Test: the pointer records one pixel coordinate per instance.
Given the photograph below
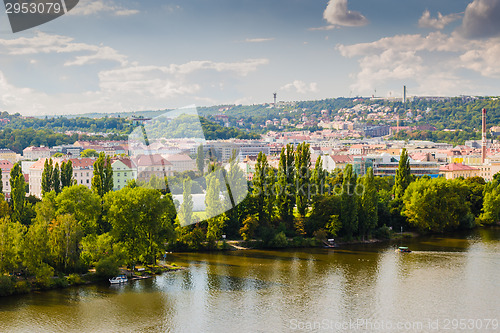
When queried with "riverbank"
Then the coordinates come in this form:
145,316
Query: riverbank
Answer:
17,285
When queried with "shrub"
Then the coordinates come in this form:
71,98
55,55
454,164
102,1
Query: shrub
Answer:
61,282
75,279
279,240
106,268
6,285
22,287
299,241
43,276
383,232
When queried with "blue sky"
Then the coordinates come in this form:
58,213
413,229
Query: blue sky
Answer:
110,56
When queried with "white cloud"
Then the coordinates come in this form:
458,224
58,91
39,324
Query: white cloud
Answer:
91,7
325,28
129,87
481,19
336,13
426,21
433,63
483,59
43,43
258,40
300,87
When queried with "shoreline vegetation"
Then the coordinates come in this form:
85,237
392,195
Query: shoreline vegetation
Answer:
55,241
22,285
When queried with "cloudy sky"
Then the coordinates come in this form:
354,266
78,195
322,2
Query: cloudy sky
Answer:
110,56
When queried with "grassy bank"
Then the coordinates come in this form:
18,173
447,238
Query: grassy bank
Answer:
17,285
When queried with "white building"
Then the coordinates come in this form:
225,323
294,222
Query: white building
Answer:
6,166
83,169
181,162
35,153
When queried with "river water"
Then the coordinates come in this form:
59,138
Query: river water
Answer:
446,284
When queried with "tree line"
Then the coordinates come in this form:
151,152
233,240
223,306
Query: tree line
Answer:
74,228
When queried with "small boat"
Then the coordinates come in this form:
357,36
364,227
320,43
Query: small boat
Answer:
329,244
118,279
403,249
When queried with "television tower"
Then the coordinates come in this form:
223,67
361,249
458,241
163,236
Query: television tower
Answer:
404,98
483,146
274,95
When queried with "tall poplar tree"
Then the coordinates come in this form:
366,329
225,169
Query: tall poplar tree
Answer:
200,159
213,209
66,174
56,179
1,182
48,169
186,209
318,178
18,193
368,215
102,181
403,175
348,203
260,187
303,177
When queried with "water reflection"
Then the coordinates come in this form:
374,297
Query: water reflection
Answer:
264,291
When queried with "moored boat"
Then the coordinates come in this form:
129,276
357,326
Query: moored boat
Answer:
118,279
403,249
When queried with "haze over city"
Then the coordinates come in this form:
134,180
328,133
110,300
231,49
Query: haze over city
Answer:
113,56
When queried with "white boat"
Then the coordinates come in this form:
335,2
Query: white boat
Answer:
118,279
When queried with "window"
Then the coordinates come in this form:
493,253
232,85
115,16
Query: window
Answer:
87,181
81,181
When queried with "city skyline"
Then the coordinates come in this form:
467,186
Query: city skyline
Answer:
107,56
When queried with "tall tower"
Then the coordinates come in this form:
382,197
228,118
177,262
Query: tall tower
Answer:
404,98
483,146
274,94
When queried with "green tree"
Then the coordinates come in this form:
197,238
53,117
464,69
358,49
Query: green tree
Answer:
248,228
102,180
437,204
36,249
403,175
282,197
1,182
237,191
491,206
334,225
66,174
83,204
318,178
89,153
141,218
64,238
349,205
18,194
214,208
200,159
56,179
186,209
11,234
47,178
368,214
303,175
262,193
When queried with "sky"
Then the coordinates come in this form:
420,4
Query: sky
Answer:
115,56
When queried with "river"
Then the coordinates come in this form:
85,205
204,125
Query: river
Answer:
446,284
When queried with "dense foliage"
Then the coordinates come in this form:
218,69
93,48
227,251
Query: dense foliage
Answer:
80,228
